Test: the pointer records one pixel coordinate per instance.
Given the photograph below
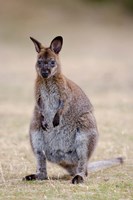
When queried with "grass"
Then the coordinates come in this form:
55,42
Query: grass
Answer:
100,61
97,187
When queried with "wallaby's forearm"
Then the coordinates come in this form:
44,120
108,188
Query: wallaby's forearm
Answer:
62,100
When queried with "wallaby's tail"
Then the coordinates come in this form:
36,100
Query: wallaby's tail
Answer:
99,165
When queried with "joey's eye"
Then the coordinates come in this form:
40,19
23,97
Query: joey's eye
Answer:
52,63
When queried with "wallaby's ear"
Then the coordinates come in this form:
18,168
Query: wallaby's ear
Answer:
37,44
56,44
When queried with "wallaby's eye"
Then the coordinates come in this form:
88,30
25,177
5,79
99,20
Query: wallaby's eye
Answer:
39,62
52,63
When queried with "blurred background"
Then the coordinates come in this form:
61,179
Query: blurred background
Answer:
97,54
97,51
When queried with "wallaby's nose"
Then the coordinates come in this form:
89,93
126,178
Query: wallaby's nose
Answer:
45,73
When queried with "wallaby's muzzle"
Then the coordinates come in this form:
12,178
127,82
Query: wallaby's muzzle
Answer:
45,73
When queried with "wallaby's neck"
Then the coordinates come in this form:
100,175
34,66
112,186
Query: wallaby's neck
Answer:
58,79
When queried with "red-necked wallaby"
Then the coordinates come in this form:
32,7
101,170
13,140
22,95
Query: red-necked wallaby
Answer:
63,129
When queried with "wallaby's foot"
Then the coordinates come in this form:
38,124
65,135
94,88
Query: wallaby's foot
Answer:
30,177
33,177
77,179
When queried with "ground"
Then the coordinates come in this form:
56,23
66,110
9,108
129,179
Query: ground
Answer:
97,55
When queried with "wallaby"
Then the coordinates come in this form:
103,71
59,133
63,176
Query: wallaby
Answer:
63,129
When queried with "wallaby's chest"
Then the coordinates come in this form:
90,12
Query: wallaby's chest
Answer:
49,102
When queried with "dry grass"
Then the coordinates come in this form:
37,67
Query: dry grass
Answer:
97,54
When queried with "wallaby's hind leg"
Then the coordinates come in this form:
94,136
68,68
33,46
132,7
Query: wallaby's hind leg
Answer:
37,142
71,169
85,145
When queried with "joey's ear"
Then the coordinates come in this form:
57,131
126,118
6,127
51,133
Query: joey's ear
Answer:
56,44
37,44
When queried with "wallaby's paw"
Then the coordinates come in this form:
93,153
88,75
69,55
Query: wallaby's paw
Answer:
77,179
45,126
33,177
30,177
56,119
